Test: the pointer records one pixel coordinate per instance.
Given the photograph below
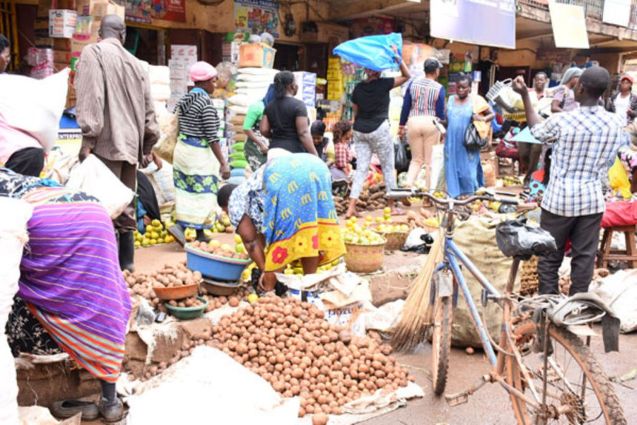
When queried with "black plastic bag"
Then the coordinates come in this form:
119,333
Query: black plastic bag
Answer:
401,158
516,239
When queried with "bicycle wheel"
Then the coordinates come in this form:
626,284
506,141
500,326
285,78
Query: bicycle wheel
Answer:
577,389
441,343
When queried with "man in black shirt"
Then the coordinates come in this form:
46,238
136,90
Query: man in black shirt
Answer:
370,102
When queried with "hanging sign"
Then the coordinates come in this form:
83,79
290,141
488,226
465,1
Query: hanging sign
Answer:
617,12
481,22
144,11
569,25
257,16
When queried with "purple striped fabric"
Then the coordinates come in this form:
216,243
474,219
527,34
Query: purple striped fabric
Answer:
71,279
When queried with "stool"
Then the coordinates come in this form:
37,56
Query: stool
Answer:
630,254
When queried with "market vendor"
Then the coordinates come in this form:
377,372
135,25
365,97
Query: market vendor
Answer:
72,296
256,147
285,212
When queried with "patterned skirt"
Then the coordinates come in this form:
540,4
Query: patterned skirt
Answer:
300,219
195,171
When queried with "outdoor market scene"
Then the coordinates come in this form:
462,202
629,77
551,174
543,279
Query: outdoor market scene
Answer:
318,212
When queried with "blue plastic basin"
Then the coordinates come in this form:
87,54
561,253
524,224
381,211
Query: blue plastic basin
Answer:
214,266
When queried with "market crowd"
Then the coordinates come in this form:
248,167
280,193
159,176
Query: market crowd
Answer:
284,211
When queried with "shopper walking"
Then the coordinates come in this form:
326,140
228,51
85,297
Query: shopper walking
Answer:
624,102
198,159
573,204
370,102
463,170
564,96
424,103
116,115
285,121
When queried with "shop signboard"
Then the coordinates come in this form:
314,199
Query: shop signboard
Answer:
145,11
617,12
257,16
569,25
481,22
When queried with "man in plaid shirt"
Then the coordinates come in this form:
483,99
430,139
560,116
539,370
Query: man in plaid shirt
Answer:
585,142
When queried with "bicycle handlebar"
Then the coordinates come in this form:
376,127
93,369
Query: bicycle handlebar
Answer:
450,202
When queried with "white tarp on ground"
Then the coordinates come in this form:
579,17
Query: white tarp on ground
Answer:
210,387
14,215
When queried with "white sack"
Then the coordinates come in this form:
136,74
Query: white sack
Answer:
14,215
34,106
619,291
258,71
94,178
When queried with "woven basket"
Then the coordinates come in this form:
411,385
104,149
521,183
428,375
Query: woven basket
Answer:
395,240
364,258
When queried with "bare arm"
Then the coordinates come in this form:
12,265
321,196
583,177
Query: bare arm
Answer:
303,131
404,75
264,127
354,111
555,106
255,246
519,86
256,139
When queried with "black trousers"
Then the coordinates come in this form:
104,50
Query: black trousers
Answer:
583,232
28,162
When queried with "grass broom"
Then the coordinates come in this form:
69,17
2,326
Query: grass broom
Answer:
417,311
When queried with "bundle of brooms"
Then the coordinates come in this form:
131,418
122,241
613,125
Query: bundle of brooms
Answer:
417,312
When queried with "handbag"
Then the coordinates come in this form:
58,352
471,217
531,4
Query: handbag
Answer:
472,138
401,157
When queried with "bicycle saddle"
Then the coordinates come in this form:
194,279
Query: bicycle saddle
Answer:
517,239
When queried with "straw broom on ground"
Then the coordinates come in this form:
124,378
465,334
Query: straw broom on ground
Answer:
417,312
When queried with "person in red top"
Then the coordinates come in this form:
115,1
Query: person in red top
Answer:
342,167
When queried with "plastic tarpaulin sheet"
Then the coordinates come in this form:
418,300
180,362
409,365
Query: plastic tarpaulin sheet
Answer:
373,52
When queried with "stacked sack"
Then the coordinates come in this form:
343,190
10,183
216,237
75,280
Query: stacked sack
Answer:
251,86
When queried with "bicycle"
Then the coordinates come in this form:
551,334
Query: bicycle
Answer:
549,372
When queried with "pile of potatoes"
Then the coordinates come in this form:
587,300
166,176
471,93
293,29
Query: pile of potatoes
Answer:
289,344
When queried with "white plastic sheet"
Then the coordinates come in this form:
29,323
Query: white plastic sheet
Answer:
94,178
14,215
619,291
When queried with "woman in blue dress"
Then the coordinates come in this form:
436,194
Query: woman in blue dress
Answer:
463,171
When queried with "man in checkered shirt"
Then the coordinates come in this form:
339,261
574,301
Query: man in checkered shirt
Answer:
585,142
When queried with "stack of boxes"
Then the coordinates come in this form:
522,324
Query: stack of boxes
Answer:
307,87
335,79
89,18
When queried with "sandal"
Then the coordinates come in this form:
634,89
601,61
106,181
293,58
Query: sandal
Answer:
68,408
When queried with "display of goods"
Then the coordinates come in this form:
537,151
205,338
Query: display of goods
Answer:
170,276
360,234
155,234
223,250
508,181
370,199
289,344
222,224
529,279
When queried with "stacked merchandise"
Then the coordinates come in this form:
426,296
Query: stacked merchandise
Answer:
251,86
41,62
182,57
307,88
335,79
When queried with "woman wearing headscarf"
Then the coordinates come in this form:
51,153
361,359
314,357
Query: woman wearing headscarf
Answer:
463,170
285,212
285,121
72,296
198,159
564,96
256,147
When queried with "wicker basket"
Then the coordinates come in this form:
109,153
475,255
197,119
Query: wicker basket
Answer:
395,240
364,258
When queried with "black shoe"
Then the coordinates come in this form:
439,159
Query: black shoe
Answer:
69,408
111,411
127,251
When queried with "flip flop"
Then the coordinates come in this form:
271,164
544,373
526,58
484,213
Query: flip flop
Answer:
397,211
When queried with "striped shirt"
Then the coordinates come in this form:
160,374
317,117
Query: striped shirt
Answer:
198,117
424,97
585,142
114,107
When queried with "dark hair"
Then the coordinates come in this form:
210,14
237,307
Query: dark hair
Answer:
465,77
282,81
223,195
595,81
540,73
269,95
340,129
4,42
317,128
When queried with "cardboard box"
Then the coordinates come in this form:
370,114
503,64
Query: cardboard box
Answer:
62,23
100,8
62,44
256,56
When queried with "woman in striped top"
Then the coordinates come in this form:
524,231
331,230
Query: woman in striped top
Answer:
198,158
424,102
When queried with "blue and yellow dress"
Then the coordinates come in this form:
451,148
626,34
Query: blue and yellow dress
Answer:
290,201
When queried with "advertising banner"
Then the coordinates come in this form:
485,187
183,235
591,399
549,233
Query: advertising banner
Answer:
257,16
144,11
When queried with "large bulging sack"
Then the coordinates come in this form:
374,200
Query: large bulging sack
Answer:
34,106
373,52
